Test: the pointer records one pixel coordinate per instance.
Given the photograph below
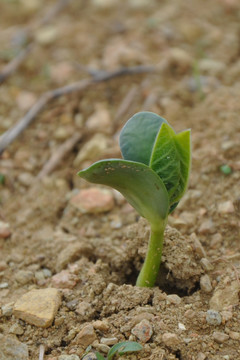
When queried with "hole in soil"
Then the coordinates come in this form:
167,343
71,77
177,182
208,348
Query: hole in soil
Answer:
166,282
178,355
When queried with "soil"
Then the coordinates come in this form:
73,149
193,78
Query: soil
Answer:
196,50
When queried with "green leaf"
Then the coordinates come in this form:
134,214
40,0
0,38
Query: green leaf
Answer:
139,184
138,136
2,179
99,356
171,161
123,347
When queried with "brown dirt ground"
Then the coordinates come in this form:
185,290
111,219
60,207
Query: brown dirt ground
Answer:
196,47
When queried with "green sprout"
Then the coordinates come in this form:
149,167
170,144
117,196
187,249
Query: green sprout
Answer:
152,176
120,349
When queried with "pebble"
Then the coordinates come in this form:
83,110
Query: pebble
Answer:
197,246
101,325
102,348
109,341
173,299
143,331
181,327
62,133
212,67
205,284
61,72
224,297
12,349
26,179
25,100
90,356
213,317
226,316
206,227
16,329
69,357
234,335
201,356
5,231
216,241
86,336
46,35
4,285
179,59
38,307
64,280
226,207
94,148
84,308
220,337
206,265
100,121
93,200
171,340
71,253
24,276
7,309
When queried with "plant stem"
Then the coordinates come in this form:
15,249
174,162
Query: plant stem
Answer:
150,269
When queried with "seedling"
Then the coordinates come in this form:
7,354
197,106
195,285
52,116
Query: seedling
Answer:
152,176
120,349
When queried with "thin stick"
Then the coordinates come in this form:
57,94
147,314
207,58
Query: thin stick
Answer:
9,136
13,65
58,155
41,352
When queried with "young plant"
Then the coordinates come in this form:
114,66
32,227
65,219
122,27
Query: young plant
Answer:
120,349
152,176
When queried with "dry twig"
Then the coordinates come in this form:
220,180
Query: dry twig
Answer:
58,155
9,136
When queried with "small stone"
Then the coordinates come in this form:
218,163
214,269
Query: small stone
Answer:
109,341
102,348
16,329
224,297
220,337
24,276
206,265
95,147
101,325
100,121
46,35
226,207
38,307
181,327
174,299
5,231
197,246
69,357
216,241
26,179
64,280
201,356
171,340
179,59
12,349
143,331
93,200
212,67
7,309
62,133
213,317
234,335
4,285
71,253
3,265
25,100
61,72
90,356
226,316
206,227
84,309
205,284
86,336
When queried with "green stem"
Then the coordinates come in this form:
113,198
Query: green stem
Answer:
150,269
